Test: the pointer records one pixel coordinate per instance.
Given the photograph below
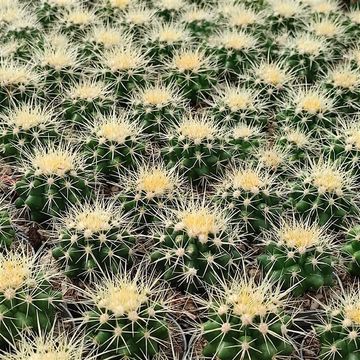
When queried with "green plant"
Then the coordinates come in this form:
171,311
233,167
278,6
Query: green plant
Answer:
300,255
7,229
194,246
351,250
92,237
52,177
199,20
246,319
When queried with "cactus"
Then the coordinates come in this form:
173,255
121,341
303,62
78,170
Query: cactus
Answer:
124,68
323,7
149,191
234,50
350,250
126,316
192,70
169,9
324,191
113,144
137,19
49,11
163,39
17,82
111,10
235,104
27,299
337,328
52,177
272,158
157,106
7,229
344,84
285,15
253,194
85,99
353,23
307,54
194,246
309,108
300,255
26,125
246,319
92,237
197,146
199,20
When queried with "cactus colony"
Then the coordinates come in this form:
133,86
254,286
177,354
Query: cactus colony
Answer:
179,179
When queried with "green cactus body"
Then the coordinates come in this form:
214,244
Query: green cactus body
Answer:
18,82
307,55
233,105
127,318
351,250
337,329
7,230
24,126
343,83
93,238
124,68
325,192
253,194
49,12
244,140
85,100
53,177
27,299
198,147
309,109
234,50
192,71
200,21
299,255
150,191
245,321
156,107
195,248
164,39
113,144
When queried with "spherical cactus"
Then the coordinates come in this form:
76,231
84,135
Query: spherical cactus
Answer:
49,345
27,299
199,20
163,39
126,316
149,191
307,55
343,82
253,194
77,21
338,327
86,99
285,15
324,191
124,67
53,177
193,71
272,79
246,319
26,125
194,246
244,140
197,146
351,250
113,143
300,255
17,82
236,104
309,108
92,238
234,50
59,66
157,106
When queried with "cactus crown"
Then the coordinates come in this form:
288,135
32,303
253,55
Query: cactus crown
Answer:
234,40
272,73
286,8
169,33
194,13
58,57
107,36
56,40
327,27
312,100
354,16
197,127
240,16
170,4
118,4
9,48
351,132
244,131
88,90
236,98
193,60
79,16
309,44
12,73
271,156
324,6
298,137
138,15
344,76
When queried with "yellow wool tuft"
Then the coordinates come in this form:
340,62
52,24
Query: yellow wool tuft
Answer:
345,78
170,35
120,4
53,163
271,74
116,131
323,7
243,131
352,312
80,17
15,75
271,157
237,41
355,16
27,118
309,45
286,8
188,61
122,298
14,271
312,103
156,96
94,221
201,222
299,236
248,180
243,17
326,28
328,179
297,137
88,91
107,37
155,181
196,130
238,100
123,59
58,58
